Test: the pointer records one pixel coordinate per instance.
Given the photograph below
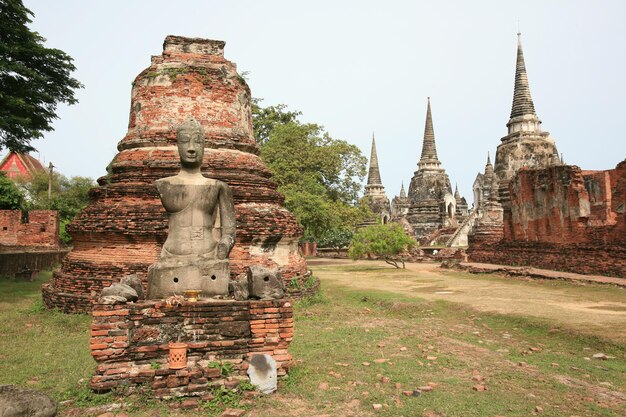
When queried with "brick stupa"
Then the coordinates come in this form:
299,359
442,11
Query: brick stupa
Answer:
124,226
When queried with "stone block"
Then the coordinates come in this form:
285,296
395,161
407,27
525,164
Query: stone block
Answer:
134,282
209,276
16,401
265,283
120,290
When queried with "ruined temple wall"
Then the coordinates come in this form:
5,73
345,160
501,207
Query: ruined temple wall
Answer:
598,187
618,201
40,231
607,200
547,205
563,218
562,205
592,259
19,263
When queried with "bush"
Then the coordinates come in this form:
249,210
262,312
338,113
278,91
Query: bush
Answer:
386,241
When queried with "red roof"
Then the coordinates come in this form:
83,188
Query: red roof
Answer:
17,164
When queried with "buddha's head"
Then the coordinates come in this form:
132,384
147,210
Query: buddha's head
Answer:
190,139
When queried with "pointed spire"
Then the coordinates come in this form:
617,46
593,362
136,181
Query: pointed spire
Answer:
402,192
429,150
457,195
373,177
488,167
522,101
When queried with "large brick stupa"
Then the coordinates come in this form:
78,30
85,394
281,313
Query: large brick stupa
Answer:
123,228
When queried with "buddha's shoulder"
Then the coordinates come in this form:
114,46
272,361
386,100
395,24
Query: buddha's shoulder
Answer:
186,180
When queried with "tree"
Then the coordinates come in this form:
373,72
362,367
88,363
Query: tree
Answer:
265,119
299,153
320,177
69,196
11,198
386,241
336,238
33,79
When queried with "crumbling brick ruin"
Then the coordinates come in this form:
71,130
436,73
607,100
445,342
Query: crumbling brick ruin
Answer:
563,218
28,230
130,343
535,211
29,242
122,229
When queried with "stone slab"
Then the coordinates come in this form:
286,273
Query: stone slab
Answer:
209,276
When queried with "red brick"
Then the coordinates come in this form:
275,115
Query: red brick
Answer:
553,221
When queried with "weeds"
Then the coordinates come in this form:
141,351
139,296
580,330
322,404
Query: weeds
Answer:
246,386
222,398
83,396
226,368
37,307
310,301
310,282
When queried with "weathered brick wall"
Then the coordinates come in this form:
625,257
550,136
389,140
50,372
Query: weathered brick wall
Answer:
566,206
592,259
124,226
565,219
40,230
130,342
547,205
598,187
14,262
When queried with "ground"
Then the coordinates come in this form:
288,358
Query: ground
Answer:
591,309
485,345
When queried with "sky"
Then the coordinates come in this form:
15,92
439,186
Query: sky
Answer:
361,67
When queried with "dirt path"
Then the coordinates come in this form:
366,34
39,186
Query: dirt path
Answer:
589,308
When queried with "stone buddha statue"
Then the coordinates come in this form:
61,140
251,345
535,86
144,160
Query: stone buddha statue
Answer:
201,225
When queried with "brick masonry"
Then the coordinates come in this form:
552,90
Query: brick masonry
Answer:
130,343
39,228
563,218
14,263
124,226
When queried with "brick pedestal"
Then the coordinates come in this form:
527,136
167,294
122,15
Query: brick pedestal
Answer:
130,342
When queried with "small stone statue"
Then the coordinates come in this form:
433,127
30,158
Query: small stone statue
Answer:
201,225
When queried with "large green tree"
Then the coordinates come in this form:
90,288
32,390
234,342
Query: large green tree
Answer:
265,119
305,155
33,79
319,175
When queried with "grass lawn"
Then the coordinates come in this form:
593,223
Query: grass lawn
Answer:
356,348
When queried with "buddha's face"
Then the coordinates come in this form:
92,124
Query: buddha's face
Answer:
190,147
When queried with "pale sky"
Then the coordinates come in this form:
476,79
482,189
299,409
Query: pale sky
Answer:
358,67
